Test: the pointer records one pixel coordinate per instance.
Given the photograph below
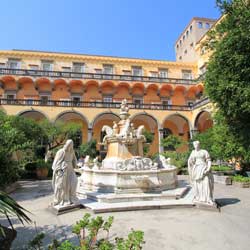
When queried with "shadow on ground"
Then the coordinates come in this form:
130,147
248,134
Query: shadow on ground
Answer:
227,201
27,233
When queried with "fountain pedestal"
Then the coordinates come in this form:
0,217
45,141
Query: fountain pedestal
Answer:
125,171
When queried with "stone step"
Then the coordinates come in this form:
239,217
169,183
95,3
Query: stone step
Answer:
98,207
132,197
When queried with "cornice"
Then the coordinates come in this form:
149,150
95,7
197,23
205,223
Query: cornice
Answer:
103,59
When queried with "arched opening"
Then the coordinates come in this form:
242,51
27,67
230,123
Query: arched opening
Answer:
101,120
92,91
203,121
152,94
177,125
33,114
74,117
151,126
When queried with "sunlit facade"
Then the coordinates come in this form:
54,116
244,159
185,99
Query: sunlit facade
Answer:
166,97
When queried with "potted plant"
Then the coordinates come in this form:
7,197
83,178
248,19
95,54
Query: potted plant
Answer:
9,207
241,181
42,169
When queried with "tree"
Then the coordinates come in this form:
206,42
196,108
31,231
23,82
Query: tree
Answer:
88,148
172,142
20,138
228,72
221,143
149,139
57,133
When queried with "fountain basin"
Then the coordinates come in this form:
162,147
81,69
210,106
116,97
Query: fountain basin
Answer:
117,181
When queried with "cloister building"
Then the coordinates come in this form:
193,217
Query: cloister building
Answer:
166,97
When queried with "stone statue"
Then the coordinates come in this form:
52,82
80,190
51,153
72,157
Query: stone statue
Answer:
64,180
139,132
96,164
86,162
108,130
199,168
164,163
124,106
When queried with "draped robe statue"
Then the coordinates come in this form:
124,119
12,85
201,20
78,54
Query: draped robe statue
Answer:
64,180
199,168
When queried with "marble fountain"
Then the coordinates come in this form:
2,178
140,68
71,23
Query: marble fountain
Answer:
126,180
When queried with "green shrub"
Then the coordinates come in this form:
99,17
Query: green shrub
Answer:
88,231
88,148
221,168
240,178
178,159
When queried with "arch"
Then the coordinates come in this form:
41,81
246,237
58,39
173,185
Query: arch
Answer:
82,116
178,124
9,83
92,82
122,91
191,92
138,88
107,87
153,86
203,121
43,84
76,86
105,118
97,117
26,88
75,117
60,81
151,125
166,90
34,114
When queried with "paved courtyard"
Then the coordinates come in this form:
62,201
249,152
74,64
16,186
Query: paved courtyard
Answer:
167,229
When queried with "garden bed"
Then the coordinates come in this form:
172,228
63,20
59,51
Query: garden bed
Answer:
241,181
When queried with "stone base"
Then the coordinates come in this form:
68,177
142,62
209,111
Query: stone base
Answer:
57,210
215,207
173,194
223,179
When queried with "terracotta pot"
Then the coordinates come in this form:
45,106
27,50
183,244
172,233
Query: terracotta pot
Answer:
42,173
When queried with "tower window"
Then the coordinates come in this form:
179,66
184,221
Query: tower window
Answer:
200,25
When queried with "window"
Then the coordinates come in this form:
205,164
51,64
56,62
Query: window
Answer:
136,71
185,52
78,67
14,64
28,101
180,57
108,69
44,99
76,100
187,32
10,98
108,98
207,25
153,74
191,45
138,100
177,46
2,65
163,73
180,42
33,67
66,69
200,25
47,65
166,103
191,28
187,74
183,38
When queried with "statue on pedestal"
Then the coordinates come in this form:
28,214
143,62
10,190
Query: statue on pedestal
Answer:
64,180
199,168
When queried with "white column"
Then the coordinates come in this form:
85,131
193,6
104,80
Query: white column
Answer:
89,134
160,135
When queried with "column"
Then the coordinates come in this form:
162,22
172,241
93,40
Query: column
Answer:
160,134
90,130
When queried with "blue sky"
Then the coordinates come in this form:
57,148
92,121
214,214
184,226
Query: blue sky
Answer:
129,28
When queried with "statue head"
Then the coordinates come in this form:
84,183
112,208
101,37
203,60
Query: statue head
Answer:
69,145
196,145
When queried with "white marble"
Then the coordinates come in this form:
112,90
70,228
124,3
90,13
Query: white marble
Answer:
199,167
64,180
